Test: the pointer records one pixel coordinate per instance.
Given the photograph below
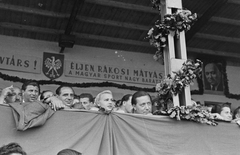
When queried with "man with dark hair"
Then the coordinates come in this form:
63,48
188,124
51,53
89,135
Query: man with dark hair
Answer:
213,77
12,149
236,113
66,94
236,116
86,101
30,91
224,112
142,103
125,104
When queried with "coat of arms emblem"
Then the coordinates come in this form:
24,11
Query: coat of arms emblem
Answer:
53,65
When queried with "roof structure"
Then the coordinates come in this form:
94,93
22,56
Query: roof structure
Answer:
120,24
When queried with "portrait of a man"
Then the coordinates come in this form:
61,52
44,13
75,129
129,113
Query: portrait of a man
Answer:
213,78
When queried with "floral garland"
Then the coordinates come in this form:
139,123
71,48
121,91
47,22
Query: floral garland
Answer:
182,20
194,113
80,85
184,77
156,4
173,86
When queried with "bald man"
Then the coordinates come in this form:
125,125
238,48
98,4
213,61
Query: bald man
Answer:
213,78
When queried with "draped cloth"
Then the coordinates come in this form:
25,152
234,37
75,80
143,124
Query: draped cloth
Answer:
30,114
95,133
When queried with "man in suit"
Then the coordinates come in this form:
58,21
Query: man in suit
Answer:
213,78
66,94
142,103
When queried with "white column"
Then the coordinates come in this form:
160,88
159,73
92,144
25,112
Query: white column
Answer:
171,62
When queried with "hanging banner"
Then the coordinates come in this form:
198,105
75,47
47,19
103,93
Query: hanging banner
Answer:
113,73
22,63
52,65
94,133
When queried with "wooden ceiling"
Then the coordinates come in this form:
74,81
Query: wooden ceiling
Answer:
121,24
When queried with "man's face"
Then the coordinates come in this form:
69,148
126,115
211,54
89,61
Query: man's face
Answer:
144,105
15,96
212,74
106,101
31,93
226,113
67,95
86,103
128,105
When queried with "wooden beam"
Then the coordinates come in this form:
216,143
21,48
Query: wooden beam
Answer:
100,2
213,9
71,20
33,11
225,21
79,18
96,20
73,16
234,2
213,52
113,23
30,28
78,35
123,5
114,40
218,38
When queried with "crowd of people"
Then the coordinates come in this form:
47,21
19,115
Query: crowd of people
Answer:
65,98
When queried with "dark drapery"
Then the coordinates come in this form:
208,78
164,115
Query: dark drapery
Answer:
94,133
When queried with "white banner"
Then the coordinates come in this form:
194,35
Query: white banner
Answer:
113,73
20,63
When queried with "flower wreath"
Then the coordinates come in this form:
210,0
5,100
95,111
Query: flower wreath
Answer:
184,77
173,86
182,20
156,4
194,113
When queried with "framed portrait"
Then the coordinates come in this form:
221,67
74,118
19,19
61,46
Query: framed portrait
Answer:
213,75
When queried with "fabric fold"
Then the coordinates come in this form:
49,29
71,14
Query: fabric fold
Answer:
30,114
96,133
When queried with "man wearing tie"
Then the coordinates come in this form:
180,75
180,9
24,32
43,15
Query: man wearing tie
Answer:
213,78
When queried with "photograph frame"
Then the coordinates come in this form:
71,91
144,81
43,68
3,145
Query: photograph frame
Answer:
214,77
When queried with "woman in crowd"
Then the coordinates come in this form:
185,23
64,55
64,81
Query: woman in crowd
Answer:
125,104
104,101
